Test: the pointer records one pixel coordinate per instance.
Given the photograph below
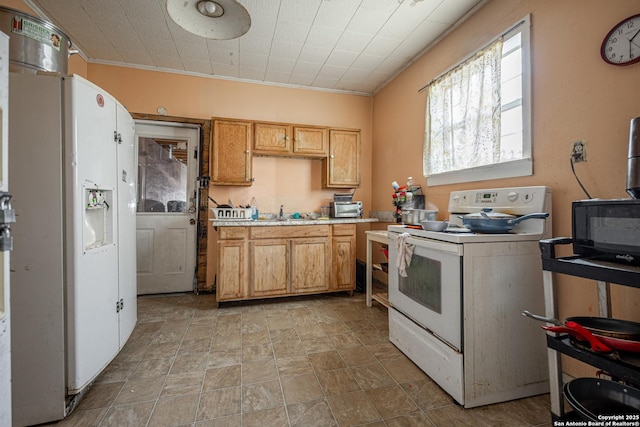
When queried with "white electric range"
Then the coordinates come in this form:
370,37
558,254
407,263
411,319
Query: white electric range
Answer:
457,312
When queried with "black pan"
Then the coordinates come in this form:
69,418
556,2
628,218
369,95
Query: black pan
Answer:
217,205
592,398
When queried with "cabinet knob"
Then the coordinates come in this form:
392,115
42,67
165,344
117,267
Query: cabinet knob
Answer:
247,152
331,156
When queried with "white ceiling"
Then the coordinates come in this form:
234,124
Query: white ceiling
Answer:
339,45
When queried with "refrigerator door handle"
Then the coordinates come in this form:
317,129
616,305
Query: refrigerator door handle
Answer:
7,217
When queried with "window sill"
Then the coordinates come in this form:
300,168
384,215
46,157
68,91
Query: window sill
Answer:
523,167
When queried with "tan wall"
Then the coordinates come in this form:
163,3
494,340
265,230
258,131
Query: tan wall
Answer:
575,95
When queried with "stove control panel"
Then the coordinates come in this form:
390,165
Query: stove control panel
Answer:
514,200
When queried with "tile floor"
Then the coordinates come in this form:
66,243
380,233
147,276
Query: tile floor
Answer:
312,361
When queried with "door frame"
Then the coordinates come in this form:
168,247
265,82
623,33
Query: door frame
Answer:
202,215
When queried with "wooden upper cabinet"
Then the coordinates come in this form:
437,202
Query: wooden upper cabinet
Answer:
310,141
281,139
341,169
231,152
271,138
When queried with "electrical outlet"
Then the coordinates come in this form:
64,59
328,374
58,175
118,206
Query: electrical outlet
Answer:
579,151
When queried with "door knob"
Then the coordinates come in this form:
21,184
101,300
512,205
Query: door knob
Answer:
192,221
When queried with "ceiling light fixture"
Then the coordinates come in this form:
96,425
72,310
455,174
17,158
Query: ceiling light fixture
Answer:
210,8
219,19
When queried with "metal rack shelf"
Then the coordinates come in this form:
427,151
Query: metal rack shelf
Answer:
616,368
604,273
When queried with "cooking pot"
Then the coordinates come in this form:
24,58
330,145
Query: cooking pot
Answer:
416,216
430,225
488,221
604,334
35,45
592,398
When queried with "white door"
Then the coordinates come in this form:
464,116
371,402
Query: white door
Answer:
166,224
5,338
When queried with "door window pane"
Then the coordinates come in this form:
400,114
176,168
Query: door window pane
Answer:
162,175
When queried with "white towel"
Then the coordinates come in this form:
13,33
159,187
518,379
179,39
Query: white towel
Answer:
405,252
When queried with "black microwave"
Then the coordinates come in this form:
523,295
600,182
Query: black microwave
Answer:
607,230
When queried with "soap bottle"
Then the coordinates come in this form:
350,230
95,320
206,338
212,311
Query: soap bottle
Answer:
254,209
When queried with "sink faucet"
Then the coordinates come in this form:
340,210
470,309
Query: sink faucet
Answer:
281,215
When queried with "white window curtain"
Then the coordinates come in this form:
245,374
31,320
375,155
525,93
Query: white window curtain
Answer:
463,115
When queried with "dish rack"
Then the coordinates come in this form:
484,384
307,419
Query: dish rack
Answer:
231,214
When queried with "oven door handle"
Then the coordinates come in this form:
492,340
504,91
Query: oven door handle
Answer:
436,245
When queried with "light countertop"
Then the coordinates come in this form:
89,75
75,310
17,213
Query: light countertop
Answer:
293,222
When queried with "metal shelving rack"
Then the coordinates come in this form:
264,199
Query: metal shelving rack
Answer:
604,273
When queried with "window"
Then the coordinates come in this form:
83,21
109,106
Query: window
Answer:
162,175
477,116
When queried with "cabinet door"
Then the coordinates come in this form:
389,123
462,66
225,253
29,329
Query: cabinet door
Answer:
310,141
231,283
344,262
342,167
271,138
269,266
309,268
231,152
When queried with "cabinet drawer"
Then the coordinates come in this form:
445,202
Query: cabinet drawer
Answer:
232,233
344,229
286,232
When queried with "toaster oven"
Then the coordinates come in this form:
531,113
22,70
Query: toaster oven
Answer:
345,209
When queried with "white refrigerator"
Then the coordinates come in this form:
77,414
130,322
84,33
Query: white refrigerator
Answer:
73,269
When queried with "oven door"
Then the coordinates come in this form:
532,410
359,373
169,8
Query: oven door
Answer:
431,293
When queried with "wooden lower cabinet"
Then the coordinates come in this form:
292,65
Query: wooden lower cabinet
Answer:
309,265
343,257
264,261
231,283
269,266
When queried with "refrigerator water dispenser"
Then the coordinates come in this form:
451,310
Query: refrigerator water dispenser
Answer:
98,218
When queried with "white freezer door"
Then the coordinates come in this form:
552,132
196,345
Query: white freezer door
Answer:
127,223
92,285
